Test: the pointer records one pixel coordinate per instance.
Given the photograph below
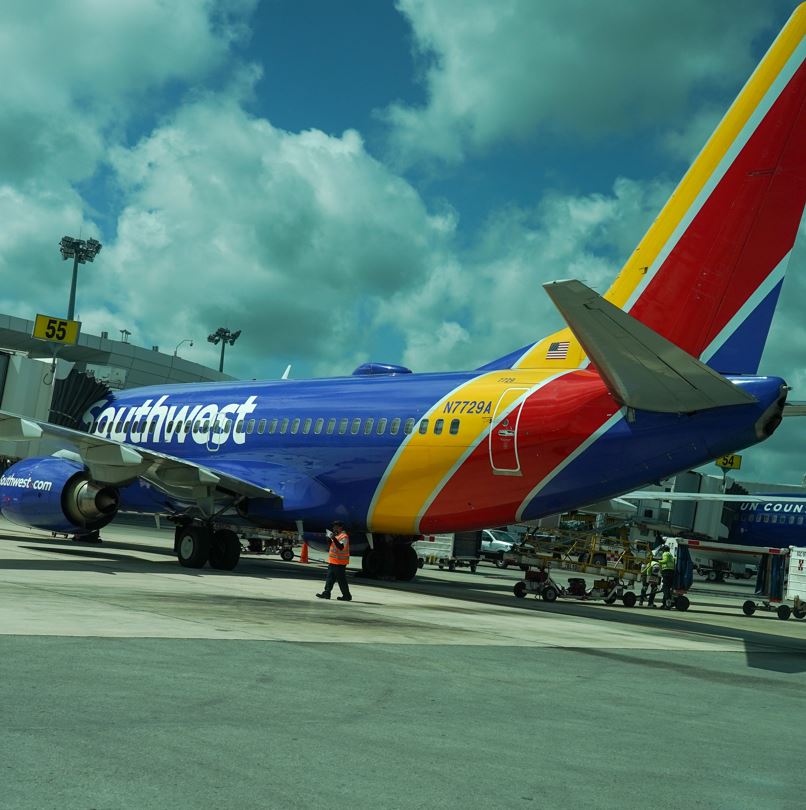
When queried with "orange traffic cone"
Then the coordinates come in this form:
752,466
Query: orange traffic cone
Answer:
303,555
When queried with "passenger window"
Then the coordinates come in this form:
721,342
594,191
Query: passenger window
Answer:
331,426
239,426
188,426
169,427
306,426
126,427
343,426
423,426
204,427
800,521
394,428
381,426
317,428
438,426
368,426
454,427
791,520
272,426
355,427
261,426
284,425
409,426
250,425
295,425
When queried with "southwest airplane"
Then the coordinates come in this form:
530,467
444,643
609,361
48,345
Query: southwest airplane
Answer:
657,376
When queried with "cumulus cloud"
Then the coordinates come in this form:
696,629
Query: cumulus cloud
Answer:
501,71
493,287
295,238
84,71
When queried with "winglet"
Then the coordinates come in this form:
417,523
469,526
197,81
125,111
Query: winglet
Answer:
641,369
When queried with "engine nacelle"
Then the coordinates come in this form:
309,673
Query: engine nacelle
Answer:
56,495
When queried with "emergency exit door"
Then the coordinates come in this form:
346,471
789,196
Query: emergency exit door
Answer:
504,432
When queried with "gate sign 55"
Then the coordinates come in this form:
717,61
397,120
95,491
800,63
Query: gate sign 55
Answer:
733,462
56,330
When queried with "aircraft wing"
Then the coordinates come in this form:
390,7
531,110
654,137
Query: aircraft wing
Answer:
795,409
111,462
649,495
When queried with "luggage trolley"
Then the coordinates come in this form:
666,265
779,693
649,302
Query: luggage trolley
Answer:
781,580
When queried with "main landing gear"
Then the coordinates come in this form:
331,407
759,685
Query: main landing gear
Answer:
198,544
389,560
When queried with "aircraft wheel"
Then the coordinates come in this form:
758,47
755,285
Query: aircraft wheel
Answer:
550,594
193,546
372,563
783,612
519,590
225,550
287,554
406,563
749,607
628,599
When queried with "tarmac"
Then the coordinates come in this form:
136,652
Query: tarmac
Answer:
127,681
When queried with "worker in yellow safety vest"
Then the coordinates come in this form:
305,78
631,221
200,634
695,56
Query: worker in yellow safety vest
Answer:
338,559
667,564
650,577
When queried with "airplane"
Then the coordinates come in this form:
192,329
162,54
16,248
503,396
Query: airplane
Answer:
657,376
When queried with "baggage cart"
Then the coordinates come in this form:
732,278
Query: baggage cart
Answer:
449,551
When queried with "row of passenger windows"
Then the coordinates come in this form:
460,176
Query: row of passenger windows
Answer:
292,425
790,519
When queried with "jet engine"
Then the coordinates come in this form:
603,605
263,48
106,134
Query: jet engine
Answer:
56,495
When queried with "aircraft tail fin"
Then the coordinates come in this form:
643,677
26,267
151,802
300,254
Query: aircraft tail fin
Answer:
708,272
642,369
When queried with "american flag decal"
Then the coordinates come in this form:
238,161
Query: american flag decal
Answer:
558,351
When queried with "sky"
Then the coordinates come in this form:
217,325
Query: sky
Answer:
361,180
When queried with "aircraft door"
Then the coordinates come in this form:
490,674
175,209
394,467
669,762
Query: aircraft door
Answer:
216,434
504,433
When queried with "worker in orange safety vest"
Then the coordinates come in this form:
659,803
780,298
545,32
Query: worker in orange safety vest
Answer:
337,560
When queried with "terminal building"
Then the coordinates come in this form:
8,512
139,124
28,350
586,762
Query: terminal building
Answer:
57,382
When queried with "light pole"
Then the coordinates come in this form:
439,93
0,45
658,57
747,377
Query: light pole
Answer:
223,336
80,251
186,340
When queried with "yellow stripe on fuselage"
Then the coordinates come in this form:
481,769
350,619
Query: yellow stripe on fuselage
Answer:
687,192
425,461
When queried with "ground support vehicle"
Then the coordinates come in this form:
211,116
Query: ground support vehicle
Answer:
449,551
264,541
781,583
538,557
539,582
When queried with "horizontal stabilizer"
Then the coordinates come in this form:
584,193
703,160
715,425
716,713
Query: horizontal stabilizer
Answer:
641,369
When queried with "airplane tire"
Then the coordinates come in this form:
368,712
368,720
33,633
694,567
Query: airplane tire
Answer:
225,550
371,563
406,563
193,546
